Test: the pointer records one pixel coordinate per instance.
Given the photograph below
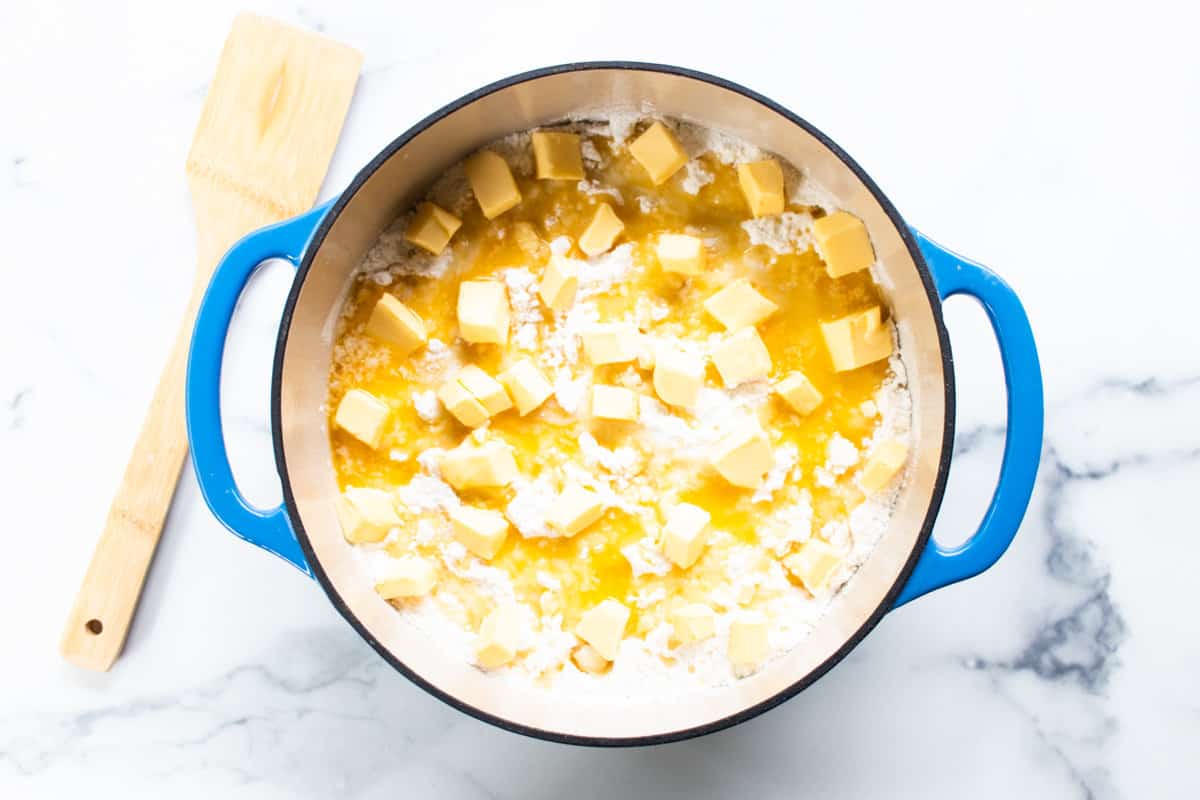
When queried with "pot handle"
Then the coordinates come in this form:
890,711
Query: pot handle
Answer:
267,528
940,566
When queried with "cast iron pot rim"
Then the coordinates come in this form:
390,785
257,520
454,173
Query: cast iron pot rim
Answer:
939,486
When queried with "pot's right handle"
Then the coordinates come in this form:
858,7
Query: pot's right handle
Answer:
940,566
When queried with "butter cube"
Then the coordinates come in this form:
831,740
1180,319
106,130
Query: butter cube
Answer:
363,416
486,466
678,376
659,152
557,155
742,357
603,626
462,404
743,456
527,385
611,343
680,253
530,243
492,182
588,660
366,514
481,530
409,576
857,340
484,388
685,534
843,243
798,392
762,184
748,643
694,622
574,509
499,637
432,227
614,402
602,231
883,465
483,312
813,564
739,305
559,282
397,324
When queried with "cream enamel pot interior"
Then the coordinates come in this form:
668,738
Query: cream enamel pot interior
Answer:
327,243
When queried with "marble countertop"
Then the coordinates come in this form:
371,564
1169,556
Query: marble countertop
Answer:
1055,142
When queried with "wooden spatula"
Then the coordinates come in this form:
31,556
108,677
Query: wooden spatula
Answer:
265,137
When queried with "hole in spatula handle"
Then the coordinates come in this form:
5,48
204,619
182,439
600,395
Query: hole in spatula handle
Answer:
94,627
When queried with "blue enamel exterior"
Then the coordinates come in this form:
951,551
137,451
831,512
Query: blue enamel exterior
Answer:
267,528
942,566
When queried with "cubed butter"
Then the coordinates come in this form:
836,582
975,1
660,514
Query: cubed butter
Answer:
363,416
857,340
527,385
762,184
432,227
739,305
484,466
574,509
481,530
743,456
748,643
483,312
813,564
611,343
883,465
397,324
560,280
603,626
462,404
558,156
588,660
680,253
408,576
742,357
614,402
366,514
483,387
678,376
499,636
492,182
530,243
685,534
602,231
843,243
798,392
693,622
659,152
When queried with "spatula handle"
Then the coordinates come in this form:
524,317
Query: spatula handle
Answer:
103,610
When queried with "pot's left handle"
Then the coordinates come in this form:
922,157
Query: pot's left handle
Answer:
267,528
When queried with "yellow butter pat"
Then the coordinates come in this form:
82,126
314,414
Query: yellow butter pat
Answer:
558,155
483,312
560,280
432,227
611,343
483,387
743,456
739,305
694,622
748,642
882,465
798,392
813,564
574,509
678,376
614,402
602,231
588,660
762,184
485,466
843,243
499,637
481,530
659,152
492,182
603,626
397,324
363,416
685,534
408,576
857,340
527,385
742,357
366,514
680,253
462,404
